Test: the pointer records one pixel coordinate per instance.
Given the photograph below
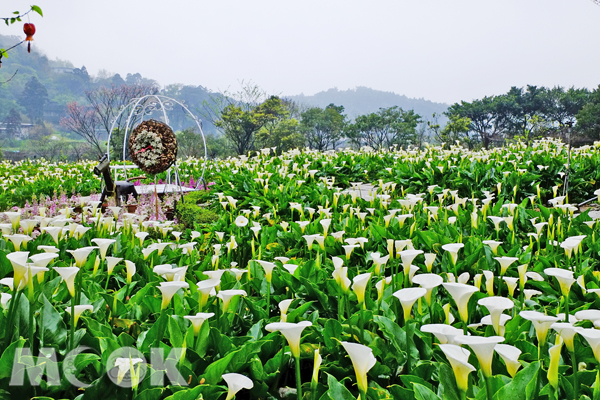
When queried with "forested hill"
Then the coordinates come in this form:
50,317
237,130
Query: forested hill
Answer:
41,89
363,100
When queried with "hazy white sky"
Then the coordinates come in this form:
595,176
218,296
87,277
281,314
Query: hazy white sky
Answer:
440,50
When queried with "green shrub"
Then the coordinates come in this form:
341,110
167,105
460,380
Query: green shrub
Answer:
190,212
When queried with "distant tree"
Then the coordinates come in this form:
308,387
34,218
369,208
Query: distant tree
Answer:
138,79
82,73
457,130
563,106
133,79
588,118
520,106
33,98
218,146
241,125
83,121
116,80
385,128
95,120
189,144
488,116
41,131
283,134
324,128
12,123
240,115
192,97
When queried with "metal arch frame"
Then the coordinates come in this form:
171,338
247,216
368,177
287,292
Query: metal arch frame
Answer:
139,107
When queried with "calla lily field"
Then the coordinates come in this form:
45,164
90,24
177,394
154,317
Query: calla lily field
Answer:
433,273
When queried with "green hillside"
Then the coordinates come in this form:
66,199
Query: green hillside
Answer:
363,100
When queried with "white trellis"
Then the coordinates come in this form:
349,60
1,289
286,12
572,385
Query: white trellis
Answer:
137,111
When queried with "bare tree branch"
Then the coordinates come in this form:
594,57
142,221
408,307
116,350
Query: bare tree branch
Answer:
93,121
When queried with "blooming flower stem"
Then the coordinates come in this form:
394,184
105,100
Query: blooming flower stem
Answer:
31,298
488,388
281,364
363,394
72,333
161,328
78,286
347,300
361,323
298,379
340,306
11,316
575,377
566,308
268,299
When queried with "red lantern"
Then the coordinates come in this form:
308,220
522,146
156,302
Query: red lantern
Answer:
29,30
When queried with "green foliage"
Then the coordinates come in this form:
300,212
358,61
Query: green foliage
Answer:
528,113
588,118
456,130
12,123
285,134
385,128
324,128
190,212
33,99
240,124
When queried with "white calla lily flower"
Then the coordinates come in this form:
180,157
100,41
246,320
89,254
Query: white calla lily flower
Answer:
235,383
292,332
168,290
496,306
68,275
408,297
79,309
197,320
461,293
362,360
459,361
483,347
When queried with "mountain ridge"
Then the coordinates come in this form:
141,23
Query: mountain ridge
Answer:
364,100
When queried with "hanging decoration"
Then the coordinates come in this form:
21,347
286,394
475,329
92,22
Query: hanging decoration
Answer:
29,30
153,146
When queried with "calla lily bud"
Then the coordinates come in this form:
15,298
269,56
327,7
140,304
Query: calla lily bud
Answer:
227,295
564,277
541,323
483,347
554,362
316,367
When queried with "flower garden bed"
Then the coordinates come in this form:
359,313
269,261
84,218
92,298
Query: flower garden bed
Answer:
452,279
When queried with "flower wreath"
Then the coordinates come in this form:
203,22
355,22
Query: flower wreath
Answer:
153,146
